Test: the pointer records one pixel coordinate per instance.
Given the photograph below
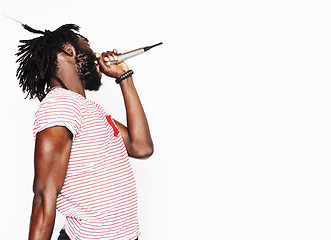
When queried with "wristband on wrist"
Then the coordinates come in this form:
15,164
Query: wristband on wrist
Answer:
124,76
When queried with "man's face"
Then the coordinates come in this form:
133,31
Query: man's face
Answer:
87,68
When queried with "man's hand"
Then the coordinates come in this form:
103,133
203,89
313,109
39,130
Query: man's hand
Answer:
114,70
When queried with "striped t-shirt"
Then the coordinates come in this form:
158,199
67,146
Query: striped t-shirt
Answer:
99,196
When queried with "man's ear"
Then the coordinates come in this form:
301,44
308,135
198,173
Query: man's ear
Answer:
69,49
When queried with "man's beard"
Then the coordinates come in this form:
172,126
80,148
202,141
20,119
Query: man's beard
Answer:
87,71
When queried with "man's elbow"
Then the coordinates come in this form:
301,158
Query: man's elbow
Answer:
142,152
147,152
42,195
43,192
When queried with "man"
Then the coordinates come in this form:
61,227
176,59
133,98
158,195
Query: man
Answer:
82,155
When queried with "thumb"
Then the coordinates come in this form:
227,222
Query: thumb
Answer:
101,62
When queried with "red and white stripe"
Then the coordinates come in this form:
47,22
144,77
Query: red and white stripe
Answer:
99,196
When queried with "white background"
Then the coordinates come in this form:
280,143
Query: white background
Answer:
238,100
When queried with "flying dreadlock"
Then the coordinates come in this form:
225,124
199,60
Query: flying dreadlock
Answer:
38,58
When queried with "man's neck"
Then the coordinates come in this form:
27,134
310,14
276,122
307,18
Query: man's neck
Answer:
74,86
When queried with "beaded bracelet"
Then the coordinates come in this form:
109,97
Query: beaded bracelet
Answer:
124,76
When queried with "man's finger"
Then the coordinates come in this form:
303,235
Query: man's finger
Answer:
101,61
112,55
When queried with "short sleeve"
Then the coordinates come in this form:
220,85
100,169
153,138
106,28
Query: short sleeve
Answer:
59,109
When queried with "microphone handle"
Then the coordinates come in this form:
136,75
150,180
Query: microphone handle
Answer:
127,55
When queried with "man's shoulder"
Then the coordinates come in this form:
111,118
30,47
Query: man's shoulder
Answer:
60,107
58,95
60,100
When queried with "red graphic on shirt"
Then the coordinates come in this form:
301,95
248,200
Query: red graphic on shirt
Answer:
110,121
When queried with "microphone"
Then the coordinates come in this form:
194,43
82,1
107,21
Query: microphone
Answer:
121,57
124,56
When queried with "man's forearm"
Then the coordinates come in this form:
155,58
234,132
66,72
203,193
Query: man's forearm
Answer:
136,135
42,217
137,125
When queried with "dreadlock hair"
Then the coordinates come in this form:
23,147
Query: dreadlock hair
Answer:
38,58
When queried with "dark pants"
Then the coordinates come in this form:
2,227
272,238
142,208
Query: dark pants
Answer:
64,236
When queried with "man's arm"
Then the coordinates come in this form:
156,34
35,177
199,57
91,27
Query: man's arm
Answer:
136,134
52,152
